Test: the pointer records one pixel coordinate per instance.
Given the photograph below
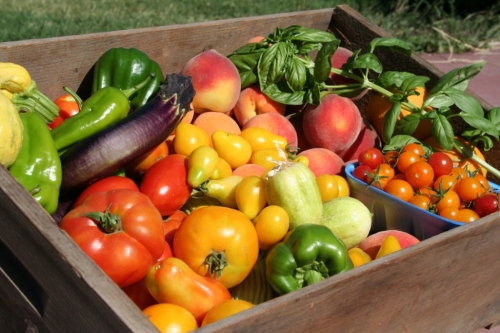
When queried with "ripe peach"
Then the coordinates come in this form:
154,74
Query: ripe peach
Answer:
216,81
367,138
334,124
275,123
371,244
249,169
323,161
255,39
252,102
339,58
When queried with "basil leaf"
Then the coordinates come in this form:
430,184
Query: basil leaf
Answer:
458,78
393,78
442,131
390,120
368,61
271,64
437,101
393,44
296,74
412,82
309,47
480,123
311,35
323,62
486,141
280,92
397,142
408,124
465,102
313,95
247,67
494,116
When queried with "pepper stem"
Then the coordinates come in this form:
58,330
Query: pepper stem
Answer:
130,91
311,273
106,221
216,262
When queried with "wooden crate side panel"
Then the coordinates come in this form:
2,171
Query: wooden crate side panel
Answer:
444,284
55,282
55,62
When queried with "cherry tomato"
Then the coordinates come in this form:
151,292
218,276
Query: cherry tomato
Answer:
468,189
420,174
449,199
68,107
225,309
218,242
271,226
380,176
450,213
251,196
328,187
486,204
138,166
361,171
104,185
233,148
401,189
482,180
222,170
414,147
467,215
165,183
458,173
371,157
420,201
441,163
405,159
344,190
188,137
428,192
168,317
391,157
445,182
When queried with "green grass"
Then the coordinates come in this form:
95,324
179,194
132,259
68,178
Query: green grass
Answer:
431,26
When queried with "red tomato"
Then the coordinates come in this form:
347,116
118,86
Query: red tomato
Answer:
68,107
120,230
360,172
371,157
170,227
441,163
139,294
486,204
104,185
165,183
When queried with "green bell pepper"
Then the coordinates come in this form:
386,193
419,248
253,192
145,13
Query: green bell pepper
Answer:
123,68
38,167
308,254
100,110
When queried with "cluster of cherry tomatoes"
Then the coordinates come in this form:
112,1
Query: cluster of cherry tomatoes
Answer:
429,181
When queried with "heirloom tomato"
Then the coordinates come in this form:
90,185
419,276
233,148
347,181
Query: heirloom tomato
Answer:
138,166
201,164
165,183
188,137
225,309
170,318
222,170
104,185
218,242
234,149
251,196
139,294
173,281
120,230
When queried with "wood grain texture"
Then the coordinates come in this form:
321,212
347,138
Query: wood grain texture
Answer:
444,284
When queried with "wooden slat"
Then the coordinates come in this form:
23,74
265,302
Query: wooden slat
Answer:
443,284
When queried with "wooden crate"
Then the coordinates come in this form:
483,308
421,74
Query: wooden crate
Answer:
447,283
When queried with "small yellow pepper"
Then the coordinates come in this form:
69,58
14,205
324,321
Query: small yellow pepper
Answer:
358,256
389,245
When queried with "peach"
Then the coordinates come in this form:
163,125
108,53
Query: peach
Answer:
249,169
216,81
212,121
252,101
255,39
339,58
334,124
371,244
274,123
296,120
323,161
367,138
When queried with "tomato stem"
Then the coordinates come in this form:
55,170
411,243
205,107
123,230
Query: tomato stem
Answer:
107,222
216,262
468,152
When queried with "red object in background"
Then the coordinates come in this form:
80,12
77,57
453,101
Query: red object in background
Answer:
68,107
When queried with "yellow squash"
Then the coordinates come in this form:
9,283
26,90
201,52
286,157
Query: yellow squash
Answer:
11,131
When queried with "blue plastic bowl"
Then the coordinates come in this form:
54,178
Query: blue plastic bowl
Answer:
392,213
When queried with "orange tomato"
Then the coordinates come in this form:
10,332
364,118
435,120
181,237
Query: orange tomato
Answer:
138,166
170,318
226,309
219,242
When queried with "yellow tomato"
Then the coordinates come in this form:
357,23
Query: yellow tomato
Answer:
261,138
170,318
271,225
344,190
223,190
188,137
222,170
251,196
225,309
302,159
328,187
232,148
266,158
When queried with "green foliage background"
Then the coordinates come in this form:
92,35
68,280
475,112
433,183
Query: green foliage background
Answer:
430,26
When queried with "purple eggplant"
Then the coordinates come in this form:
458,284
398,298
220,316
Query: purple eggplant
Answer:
106,151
